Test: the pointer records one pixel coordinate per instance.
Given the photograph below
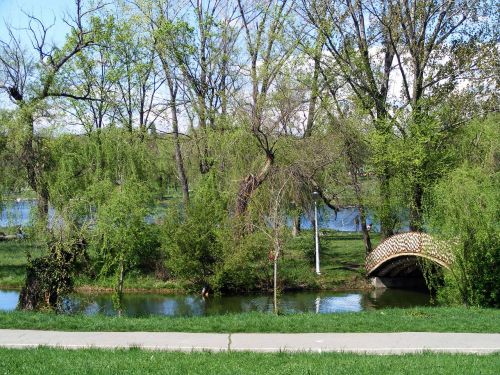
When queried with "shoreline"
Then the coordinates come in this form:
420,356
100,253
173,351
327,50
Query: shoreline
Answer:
88,289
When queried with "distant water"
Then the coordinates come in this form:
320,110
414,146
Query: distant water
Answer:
344,220
19,213
16,213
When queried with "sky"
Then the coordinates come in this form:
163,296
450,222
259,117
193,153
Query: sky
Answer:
48,11
11,12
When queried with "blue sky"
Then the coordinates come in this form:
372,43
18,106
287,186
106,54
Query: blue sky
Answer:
11,11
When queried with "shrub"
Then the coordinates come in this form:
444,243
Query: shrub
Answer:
123,239
193,236
466,212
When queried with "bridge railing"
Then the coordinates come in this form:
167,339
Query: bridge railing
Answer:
409,244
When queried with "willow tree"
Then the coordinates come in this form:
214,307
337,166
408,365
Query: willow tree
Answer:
268,48
359,53
30,77
437,45
464,210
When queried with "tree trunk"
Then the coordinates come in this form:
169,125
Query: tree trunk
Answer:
275,285
416,209
205,164
296,225
118,297
314,85
386,217
34,164
417,190
250,184
366,234
277,251
43,203
353,169
179,162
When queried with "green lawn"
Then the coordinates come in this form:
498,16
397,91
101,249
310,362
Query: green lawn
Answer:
342,261
342,266
13,262
135,361
430,319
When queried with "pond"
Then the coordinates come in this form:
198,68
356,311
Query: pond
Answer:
193,305
16,213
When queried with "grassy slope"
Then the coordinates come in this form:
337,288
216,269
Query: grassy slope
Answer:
432,319
342,260
134,361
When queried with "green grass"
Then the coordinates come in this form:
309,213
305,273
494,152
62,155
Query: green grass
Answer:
135,361
133,282
342,261
342,266
13,262
430,319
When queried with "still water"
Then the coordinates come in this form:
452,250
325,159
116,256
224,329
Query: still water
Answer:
15,213
193,305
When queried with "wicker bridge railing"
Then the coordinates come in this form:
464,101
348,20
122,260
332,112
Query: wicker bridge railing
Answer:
407,245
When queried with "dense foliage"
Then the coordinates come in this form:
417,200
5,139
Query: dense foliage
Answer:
187,140
466,211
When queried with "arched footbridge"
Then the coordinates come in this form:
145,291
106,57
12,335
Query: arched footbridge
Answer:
398,256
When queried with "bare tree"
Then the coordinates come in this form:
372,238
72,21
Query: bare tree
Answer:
273,224
351,42
160,19
435,43
31,76
139,80
268,50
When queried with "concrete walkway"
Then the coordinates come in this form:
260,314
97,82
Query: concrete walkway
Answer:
375,343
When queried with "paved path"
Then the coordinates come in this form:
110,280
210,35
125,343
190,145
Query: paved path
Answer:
377,343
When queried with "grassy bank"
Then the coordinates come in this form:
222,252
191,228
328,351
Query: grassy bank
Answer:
13,262
93,361
432,319
342,266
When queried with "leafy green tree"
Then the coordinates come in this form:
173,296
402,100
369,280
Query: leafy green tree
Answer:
436,45
30,79
353,31
465,210
122,237
193,239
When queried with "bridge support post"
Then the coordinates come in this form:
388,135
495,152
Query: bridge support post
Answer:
378,283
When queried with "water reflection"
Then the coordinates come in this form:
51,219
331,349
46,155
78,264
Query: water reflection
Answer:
171,305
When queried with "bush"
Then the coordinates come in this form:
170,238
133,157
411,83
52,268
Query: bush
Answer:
466,213
123,239
192,237
246,266
49,278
